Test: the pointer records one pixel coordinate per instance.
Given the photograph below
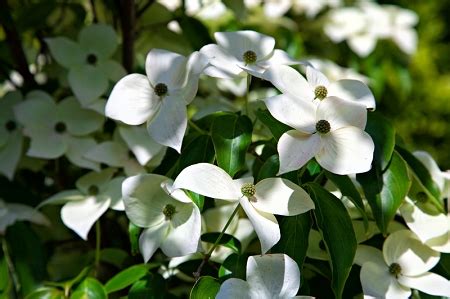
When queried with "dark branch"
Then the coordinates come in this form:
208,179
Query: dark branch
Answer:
127,20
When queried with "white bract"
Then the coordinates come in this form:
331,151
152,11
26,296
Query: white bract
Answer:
269,196
96,192
243,51
335,72
160,98
332,131
10,213
403,265
11,138
269,276
171,220
89,61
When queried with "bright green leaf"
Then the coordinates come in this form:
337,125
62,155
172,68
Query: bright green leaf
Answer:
134,232
383,135
90,288
205,288
126,278
46,293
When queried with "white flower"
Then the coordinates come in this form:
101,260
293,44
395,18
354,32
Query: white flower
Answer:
11,138
97,191
332,131
131,149
160,98
88,61
403,264
171,222
335,72
56,129
441,178
269,196
268,276
243,51
10,213
312,7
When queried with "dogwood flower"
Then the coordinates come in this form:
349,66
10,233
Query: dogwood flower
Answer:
89,61
335,72
56,129
10,213
243,51
160,98
268,276
332,131
318,87
171,220
131,148
269,196
95,193
11,138
403,265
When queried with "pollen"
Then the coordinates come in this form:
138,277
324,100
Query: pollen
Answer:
161,89
320,92
60,127
323,126
91,59
248,189
168,211
249,57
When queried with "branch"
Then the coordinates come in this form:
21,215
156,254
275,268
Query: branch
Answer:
15,44
127,20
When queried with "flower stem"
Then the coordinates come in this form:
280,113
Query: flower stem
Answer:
247,96
98,237
208,255
11,267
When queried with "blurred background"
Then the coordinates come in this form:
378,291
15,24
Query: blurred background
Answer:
400,48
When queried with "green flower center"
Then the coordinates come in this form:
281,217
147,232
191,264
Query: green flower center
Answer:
395,269
93,190
60,127
248,189
320,92
168,211
10,125
323,126
249,57
91,59
160,89
421,197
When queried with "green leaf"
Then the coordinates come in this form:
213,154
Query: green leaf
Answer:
227,240
126,278
90,288
337,232
386,191
347,188
422,176
114,256
235,265
294,236
231,135
198,199
270,168
200,149
313,167
46,293
276,128
206,287
134,231
152,287
383,135
197,32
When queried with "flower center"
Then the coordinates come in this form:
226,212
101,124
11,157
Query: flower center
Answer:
248,189
320,92
249,57
130,154
91,59
168,211
10,125
93,190
395,269
60,127
421,197
160,89
323,126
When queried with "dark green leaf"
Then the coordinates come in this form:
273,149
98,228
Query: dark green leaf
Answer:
200,149
336,229
383,135
385,191
197,32
134,232
126,278
152,287
227,240
113,256
235,265
270,168
231,135
294,236
205,288
198,199
277,128
90,288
